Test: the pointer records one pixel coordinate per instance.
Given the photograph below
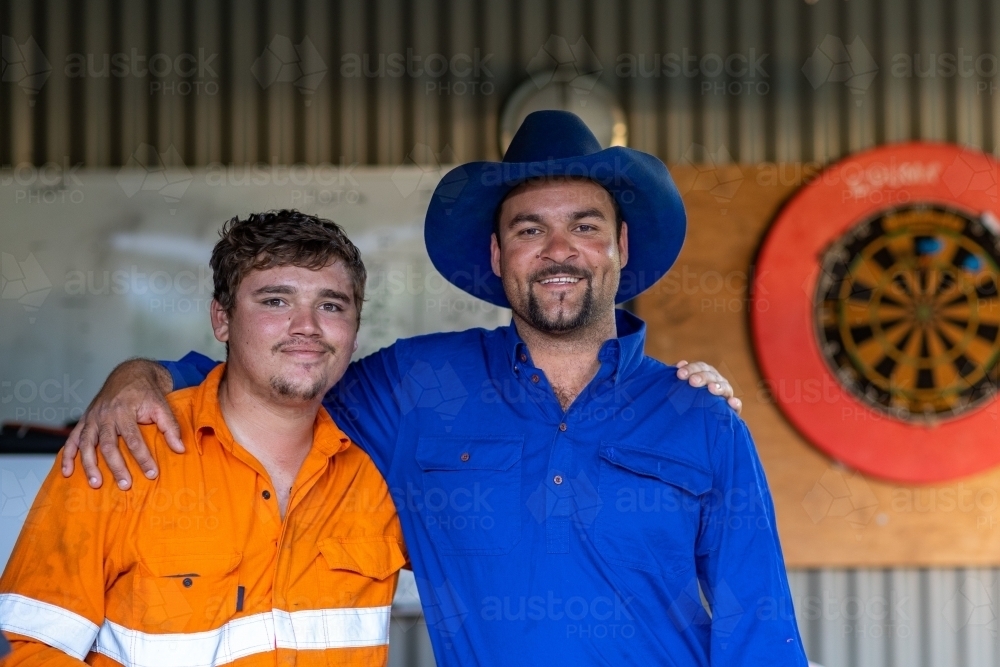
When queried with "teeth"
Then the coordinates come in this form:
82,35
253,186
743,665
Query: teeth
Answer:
561,280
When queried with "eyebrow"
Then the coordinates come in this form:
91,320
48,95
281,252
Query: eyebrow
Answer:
524,217
588,213
577,215
325,293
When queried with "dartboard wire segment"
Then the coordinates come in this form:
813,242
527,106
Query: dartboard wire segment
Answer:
908,313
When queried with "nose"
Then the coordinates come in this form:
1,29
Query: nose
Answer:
559,247
304,321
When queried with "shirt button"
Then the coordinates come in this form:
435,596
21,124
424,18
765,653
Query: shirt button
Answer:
187,582
266,494
523,357
465,456
557,479
534,378
562,427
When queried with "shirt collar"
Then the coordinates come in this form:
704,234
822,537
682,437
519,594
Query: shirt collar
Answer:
328,439
622,354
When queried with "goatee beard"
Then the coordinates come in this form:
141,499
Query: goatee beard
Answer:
284,388
537,318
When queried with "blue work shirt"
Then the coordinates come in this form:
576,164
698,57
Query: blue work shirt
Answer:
578,537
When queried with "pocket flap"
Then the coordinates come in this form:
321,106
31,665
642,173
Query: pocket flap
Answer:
681,474
469,453
192,564
375,557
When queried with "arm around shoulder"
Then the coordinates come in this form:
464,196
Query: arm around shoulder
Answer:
134,393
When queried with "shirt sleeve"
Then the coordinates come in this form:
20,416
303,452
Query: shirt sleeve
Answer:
365,405
52,593
190,371
740,566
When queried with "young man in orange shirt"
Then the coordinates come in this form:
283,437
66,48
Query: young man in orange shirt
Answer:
273,538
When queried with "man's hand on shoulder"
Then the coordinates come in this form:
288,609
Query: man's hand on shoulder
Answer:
700,374
134,393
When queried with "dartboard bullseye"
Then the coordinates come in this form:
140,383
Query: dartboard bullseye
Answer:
876,314
908,314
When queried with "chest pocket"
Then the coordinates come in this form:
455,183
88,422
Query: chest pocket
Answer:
470,499
651,510
185,593
352,572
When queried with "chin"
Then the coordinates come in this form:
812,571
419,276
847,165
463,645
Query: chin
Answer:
299,388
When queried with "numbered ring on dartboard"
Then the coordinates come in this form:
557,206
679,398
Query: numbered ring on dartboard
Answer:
907,312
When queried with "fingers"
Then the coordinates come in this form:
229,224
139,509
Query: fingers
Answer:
164,419
137,445
719,386
87,444
736,404
682,372
70,449
88,457
108,436
700,374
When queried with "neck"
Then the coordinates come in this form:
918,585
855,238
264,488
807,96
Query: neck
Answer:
569,359
278,433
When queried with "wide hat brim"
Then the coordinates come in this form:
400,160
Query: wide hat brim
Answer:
460,216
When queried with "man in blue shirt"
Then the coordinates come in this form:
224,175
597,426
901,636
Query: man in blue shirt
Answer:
565,499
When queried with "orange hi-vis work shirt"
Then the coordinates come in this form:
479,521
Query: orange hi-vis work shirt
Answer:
197,567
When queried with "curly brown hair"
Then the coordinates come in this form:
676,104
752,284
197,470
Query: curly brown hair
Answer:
281,238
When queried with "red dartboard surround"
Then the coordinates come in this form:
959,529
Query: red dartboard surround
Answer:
875,311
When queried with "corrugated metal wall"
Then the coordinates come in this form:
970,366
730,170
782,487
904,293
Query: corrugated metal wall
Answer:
933,61
284,81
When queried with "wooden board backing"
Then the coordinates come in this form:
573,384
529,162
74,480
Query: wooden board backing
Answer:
828,516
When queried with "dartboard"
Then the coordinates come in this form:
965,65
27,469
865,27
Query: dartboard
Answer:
907,311
875,315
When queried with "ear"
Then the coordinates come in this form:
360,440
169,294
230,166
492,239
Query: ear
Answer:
355,344
623,244
220,322
495,254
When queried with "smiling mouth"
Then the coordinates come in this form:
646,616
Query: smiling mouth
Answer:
560,280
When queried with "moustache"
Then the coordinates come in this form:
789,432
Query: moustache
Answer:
560,270
294,344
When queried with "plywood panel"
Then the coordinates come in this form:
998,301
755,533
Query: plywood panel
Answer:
827,515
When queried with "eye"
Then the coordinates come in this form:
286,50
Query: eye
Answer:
586,227
273,302
530,231
331,307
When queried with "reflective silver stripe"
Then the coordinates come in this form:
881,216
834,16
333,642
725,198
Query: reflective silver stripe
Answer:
332,628
48,623
258,633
